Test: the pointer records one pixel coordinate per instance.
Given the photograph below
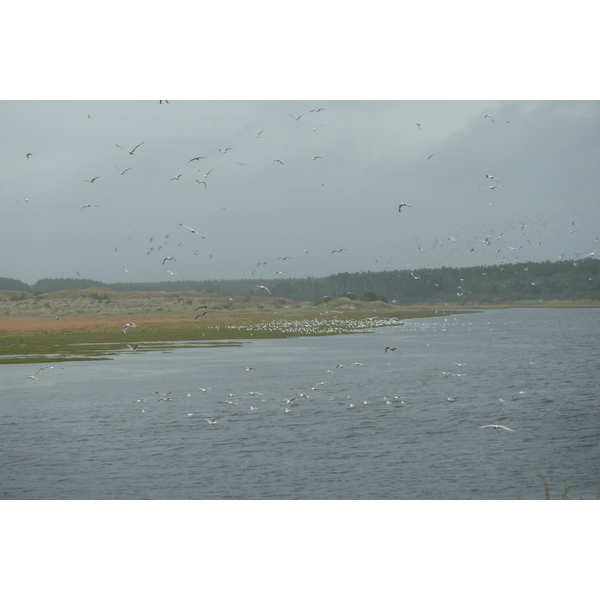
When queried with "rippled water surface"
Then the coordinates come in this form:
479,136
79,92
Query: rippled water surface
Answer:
412,432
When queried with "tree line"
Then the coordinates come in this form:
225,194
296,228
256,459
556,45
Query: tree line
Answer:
497,284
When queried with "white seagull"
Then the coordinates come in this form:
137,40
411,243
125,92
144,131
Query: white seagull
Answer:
296,118
258,134
127,326
130,151
178,176
261,287
192,230
490,187
224,151
92,180
38,371
204,174
169,258
199,181
211,421
496,427
315,157
121,172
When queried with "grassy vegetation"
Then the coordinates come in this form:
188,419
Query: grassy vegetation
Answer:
565,493
86,324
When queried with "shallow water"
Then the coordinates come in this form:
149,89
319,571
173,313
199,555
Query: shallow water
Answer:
77,432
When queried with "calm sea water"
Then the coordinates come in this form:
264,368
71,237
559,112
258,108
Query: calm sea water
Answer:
413,432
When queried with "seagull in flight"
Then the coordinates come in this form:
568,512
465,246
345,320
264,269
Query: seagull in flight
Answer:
127,326
121,172
205,174
211,421
261,287
296,118
257,135
277,160
317,109
340,250
496,427
135,347
178,176
490,187
196,158
92,180
490,116
390,349
418,125
37,373
88,206
315,157
169,258
224,151
198,181
401,205
28,155
317,127
130,151
192,230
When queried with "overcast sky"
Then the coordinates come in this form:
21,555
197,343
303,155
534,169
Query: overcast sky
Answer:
372,156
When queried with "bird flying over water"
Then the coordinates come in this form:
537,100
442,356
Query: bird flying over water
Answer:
496,427
389,348
126,327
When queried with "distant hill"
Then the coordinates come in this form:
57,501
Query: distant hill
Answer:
497,284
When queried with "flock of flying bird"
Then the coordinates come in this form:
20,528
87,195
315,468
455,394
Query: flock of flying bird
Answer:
226,150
